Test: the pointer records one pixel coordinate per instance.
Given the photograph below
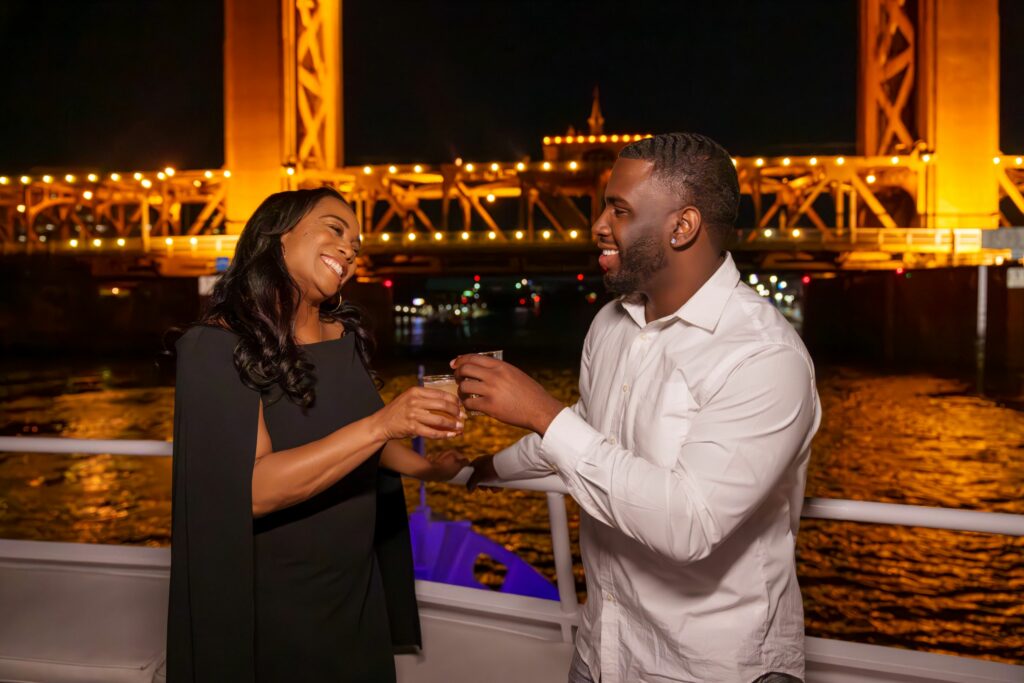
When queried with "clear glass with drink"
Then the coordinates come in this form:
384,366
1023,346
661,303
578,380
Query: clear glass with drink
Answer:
446,383
496,355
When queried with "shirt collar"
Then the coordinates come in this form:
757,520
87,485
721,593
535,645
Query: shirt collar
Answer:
704,308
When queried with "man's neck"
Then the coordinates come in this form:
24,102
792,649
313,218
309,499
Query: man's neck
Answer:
676,286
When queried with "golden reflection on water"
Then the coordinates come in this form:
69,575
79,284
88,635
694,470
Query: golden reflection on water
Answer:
894,438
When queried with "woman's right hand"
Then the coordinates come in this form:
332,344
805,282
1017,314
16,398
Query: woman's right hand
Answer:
410,415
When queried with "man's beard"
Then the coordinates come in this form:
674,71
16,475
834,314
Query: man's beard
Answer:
644,258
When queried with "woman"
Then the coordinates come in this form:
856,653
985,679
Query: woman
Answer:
290,556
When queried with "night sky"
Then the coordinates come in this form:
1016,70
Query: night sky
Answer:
137,84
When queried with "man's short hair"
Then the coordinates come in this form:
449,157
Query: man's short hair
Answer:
699,171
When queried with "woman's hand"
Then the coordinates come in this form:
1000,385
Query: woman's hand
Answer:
446,465
423,412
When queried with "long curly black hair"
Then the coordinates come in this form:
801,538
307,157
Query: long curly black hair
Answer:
256,299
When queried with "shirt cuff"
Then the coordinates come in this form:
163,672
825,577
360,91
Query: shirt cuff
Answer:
569,437
518,461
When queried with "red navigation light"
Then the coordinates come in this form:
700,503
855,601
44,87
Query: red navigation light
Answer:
465,300
900,271
476,278
580,277
806,279
536,298
389,284
522,302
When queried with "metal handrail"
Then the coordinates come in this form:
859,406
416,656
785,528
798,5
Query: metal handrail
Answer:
814,508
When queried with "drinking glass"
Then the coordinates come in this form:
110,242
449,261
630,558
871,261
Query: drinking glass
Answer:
496,355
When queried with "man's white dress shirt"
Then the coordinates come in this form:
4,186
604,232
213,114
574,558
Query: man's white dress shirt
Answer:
687,453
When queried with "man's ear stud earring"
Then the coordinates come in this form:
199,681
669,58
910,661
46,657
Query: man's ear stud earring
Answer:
672,241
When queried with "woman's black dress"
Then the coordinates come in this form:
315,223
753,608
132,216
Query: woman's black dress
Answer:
317,592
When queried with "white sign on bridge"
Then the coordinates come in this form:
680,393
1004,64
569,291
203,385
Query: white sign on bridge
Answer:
1015,278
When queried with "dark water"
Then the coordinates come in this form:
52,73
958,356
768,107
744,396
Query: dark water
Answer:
902,438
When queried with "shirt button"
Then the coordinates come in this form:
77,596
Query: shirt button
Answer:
625,388
643,337
609,598
612,441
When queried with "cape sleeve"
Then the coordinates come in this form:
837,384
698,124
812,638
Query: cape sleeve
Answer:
211,622
393,548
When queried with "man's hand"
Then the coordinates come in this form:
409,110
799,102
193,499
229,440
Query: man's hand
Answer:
504,392
483,472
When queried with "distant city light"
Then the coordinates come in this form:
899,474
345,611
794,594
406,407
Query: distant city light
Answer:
388,284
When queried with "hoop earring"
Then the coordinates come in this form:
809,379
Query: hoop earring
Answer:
341,303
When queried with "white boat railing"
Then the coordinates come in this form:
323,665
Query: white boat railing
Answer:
814,508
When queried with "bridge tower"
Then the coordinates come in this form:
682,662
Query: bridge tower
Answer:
929,80
282,96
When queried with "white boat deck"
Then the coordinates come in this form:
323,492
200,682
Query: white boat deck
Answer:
80,613
75,613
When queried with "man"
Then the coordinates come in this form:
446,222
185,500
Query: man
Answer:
687,451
